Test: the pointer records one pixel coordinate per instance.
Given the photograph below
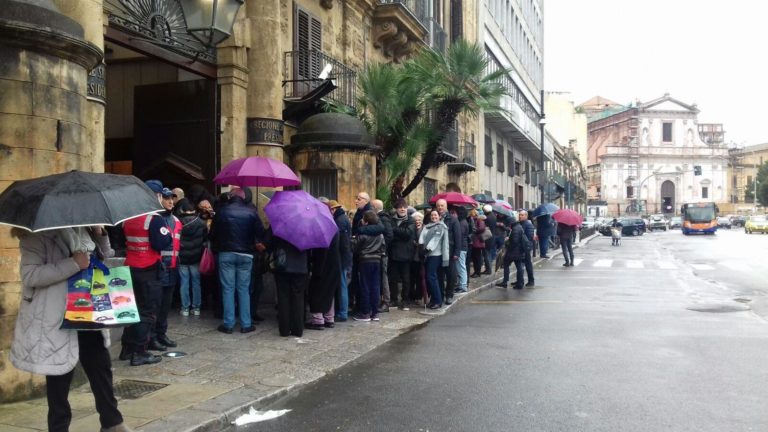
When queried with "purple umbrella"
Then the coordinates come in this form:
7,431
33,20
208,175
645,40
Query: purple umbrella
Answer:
300,219
257,171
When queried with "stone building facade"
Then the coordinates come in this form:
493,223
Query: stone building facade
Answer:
649,156
106,85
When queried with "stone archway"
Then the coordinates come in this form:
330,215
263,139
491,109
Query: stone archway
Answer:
668,197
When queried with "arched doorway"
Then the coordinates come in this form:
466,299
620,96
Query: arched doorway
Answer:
668,197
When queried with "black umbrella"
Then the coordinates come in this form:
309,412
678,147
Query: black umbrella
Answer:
75,198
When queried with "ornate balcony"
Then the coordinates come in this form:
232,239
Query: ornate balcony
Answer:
449,149
466,161
303,87
399,27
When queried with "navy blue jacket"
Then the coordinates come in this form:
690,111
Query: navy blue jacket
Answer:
528,229
345,237
236,227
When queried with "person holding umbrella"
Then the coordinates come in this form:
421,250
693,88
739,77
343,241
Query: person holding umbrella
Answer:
568,220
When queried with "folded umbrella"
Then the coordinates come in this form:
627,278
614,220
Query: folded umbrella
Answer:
454,198
300,219
257,171
568,217
75,198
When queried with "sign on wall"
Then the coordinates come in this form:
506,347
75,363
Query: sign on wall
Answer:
264,131
97,84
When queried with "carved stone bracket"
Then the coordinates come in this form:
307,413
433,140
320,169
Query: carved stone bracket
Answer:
396,31
328,4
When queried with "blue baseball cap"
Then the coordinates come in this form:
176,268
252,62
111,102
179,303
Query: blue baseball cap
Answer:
157,187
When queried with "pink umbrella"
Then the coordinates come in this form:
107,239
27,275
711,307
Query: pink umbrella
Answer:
568,217
454,198
257,171
504,204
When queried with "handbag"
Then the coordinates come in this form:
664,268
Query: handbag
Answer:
100,297
278,260
207,262
486,234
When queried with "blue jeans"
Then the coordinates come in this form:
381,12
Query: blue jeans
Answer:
461,267
518,272
235,276
431,265
189,277
567,245
370,288
342,297
543,243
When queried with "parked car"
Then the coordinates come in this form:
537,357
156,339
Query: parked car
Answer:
756,223
630,227
658,222
675,222
588,223
738,220
723,222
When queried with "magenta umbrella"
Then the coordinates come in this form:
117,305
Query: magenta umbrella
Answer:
454,198
568,217
300,219
257,171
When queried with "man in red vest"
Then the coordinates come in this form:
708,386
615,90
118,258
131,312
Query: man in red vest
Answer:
168,242
143,257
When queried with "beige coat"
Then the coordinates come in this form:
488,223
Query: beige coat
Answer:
39,345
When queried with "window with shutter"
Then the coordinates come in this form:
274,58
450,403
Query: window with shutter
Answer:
527,173
500,157
511,164
488,151
308,38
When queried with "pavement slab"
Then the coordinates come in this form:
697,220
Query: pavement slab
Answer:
222,375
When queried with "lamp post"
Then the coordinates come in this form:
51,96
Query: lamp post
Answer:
210,21
754,197
542,122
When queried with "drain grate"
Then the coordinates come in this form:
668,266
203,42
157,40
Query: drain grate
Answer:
131,389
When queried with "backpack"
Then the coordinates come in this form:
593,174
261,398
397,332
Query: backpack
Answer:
525,244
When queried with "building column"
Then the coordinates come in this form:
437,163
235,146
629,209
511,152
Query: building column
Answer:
44,64
264,125
232,68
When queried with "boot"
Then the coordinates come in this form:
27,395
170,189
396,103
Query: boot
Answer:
153,345
122,427
163,339
142,358
125,353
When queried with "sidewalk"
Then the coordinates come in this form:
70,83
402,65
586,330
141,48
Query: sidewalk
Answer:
221,375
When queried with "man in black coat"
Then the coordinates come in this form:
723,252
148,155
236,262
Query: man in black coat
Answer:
516,248
345,253
401,250
529,231
447,276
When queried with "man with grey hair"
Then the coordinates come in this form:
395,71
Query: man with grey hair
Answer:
363,204
385,220
447,277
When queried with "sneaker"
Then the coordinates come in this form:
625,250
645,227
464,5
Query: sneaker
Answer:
375,318
566,265
403,307
313,326
196,311
435,306
384,307
530,284
329,324
361,317
184,312
449,300
501,284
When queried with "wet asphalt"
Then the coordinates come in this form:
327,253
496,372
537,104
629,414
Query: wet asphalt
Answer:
663,333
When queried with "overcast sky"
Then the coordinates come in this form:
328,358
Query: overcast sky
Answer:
708,52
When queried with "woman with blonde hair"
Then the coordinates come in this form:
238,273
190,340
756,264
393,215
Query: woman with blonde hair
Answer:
436,250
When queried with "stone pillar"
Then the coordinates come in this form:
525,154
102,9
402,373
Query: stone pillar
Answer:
90,15
44,64
232,58
265,128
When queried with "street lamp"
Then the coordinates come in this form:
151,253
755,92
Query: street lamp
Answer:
542,122
754,198
210,21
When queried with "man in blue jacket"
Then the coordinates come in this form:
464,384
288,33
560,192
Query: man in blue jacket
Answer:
235,231
345,250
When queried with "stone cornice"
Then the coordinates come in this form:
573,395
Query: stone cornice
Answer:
397,31
43,30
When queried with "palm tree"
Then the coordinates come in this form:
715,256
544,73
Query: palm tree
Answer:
455,83
409,109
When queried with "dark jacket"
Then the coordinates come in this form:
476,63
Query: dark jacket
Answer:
358,218
325,280
528,229
368,248
193,235
565,231
403,239
490,222
371,230
345,237
236,227
296,261
515,249
454,234
464,234
386,221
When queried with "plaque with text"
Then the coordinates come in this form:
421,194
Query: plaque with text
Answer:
264,131
97,84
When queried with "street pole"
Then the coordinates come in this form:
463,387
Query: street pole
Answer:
542,122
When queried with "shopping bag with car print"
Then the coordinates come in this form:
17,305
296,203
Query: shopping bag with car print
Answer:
100,297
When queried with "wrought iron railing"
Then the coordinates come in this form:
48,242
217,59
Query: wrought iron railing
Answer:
419,8
468,153
450,142
301,75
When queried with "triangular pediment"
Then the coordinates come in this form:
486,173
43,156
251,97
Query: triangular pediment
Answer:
668,103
